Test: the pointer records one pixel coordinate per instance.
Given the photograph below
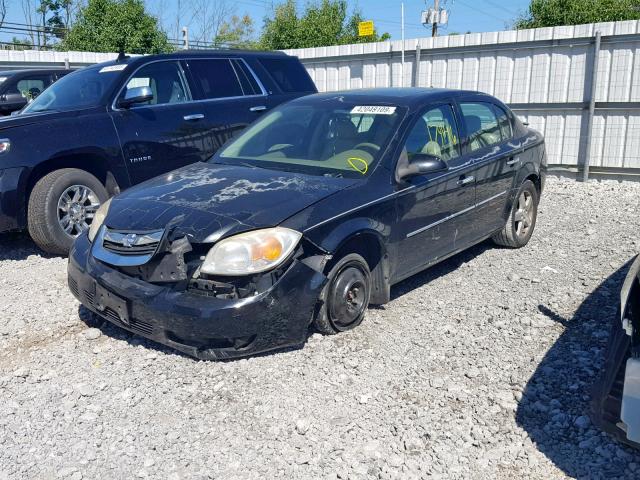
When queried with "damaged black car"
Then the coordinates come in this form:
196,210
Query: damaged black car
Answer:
308,217
616,395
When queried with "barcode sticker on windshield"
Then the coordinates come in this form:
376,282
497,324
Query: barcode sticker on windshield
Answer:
373,110
113,68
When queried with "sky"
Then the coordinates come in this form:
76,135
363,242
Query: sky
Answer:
464,15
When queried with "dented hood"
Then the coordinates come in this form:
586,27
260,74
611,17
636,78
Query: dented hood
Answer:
207,201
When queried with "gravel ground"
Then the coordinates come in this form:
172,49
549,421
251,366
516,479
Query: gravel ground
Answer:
479,367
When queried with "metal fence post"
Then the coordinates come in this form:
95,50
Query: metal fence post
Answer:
592,106
416,71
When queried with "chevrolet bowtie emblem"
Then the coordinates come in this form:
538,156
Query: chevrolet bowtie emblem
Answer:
129,240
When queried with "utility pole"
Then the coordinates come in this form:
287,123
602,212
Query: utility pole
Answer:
185,38
402,29
434,25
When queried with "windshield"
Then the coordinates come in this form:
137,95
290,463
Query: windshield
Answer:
324,138
80,89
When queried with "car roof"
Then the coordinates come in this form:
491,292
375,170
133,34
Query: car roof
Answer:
9,73
182,54
404,97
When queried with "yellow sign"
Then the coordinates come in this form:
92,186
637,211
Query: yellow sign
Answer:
365,29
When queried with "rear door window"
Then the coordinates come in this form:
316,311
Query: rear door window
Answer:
165,80
289,74
247,80
215,78
503,122
482,125
31,87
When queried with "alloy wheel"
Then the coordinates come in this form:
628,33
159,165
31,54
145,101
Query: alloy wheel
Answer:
524,215
76,208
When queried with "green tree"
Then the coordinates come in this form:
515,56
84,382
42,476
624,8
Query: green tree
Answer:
236,33
551,13
112,25
325,22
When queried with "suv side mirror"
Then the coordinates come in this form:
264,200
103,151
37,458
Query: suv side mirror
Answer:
422,164
135,95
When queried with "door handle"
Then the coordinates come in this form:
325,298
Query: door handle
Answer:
258,108
193,116
465,180
513,161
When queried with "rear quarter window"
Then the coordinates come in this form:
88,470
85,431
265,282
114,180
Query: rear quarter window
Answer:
289,74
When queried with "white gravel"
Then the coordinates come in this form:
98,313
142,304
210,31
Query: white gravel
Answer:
479,368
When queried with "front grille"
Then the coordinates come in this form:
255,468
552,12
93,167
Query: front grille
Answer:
114,247
73,286
131,243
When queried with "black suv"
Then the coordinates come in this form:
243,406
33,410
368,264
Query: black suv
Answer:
19,87
104,128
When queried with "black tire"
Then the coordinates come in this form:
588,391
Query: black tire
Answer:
344,299
514,234
44,225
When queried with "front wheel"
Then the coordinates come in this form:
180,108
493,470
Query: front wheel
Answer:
522,219
62,205
345,298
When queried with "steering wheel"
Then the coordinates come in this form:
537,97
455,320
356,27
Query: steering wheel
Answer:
367,145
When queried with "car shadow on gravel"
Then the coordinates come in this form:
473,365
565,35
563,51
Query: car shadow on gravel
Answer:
19,246
556,400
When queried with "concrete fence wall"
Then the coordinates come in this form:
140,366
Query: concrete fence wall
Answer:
546,75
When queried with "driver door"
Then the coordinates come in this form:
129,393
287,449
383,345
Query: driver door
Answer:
435,211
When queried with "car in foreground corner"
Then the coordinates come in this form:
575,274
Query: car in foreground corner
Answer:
616,395
309,216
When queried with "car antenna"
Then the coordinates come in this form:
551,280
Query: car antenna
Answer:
121,55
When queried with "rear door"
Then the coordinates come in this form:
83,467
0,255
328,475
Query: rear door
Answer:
489,132
229,97
435,210
162,134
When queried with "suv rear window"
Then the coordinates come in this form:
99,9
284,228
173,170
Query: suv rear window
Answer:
289,74
215,78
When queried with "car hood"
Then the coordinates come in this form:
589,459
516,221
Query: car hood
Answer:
24,119
208,201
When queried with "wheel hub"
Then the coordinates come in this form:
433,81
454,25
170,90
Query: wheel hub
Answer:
76,208
348,297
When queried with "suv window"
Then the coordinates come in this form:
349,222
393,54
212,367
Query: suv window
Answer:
165,80
435,133
247,80
482,125
31,87
215,78
288,74
503,122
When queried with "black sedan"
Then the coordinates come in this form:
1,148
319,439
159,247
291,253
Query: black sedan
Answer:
308,217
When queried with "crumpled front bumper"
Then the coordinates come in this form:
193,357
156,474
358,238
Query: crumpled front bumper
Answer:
207,328
608,394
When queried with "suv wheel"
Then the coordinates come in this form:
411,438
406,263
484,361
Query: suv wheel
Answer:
61,206
345,298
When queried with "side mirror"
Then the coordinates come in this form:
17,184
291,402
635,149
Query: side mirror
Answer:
135,95
14,100
421,164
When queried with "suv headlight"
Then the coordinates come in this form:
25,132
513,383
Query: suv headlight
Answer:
98,219
251,252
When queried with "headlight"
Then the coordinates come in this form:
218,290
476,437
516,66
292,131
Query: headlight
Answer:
251,252
98,219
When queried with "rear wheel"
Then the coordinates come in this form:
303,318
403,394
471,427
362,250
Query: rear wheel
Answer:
62,206
522,218
345,297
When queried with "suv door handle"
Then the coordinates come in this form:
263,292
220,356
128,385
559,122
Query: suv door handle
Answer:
513,160
465,180
193,116
258,108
